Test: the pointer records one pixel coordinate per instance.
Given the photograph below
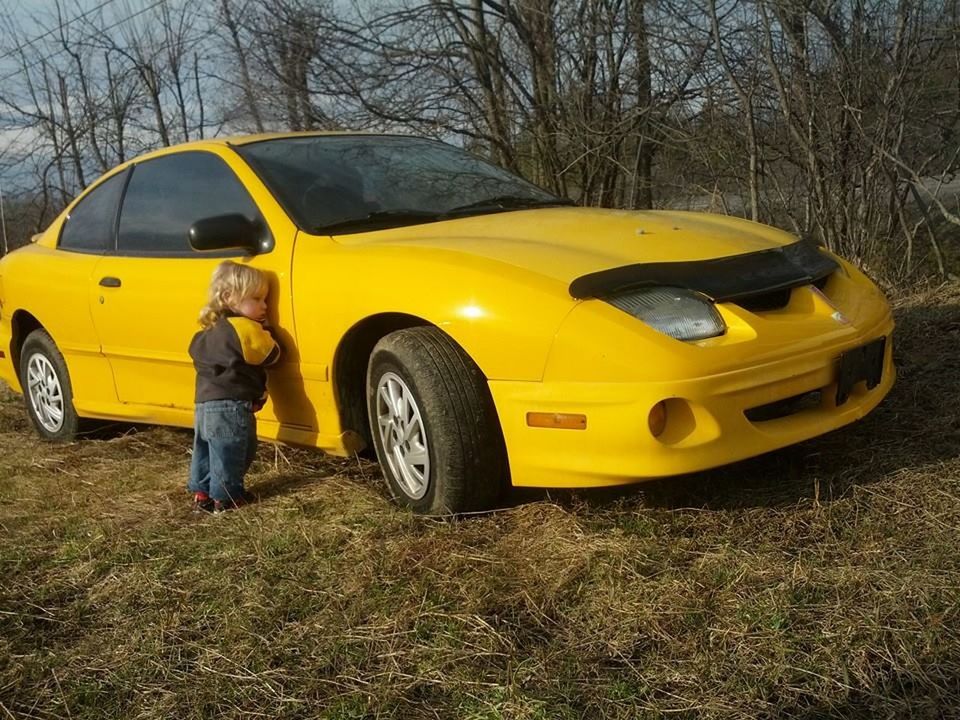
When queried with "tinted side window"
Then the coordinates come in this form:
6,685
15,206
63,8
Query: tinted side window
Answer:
91,224
167,195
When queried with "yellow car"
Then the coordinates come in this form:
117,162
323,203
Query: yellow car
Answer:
469,327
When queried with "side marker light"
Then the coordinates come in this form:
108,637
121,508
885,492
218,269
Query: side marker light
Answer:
564,421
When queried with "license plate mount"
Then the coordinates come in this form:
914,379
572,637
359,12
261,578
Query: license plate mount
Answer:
861,364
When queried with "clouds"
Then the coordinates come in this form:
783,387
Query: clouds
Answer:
17,147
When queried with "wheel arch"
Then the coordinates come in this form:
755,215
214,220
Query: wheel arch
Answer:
23,323
350,361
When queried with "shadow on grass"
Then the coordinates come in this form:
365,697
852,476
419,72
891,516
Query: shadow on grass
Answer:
927,690
310,467
284,484
109,429
917,425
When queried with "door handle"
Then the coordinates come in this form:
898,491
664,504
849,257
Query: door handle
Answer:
109,282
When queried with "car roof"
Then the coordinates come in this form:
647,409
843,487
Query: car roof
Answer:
248,139
260,137
229,141
241,140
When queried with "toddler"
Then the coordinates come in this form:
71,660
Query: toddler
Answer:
229,354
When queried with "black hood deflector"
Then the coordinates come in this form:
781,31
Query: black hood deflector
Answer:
723,279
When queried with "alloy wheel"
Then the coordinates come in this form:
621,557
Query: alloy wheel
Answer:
45,391
403,436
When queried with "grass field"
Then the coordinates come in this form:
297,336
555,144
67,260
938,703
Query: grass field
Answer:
819,581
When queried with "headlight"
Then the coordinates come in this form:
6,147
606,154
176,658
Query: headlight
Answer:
681,314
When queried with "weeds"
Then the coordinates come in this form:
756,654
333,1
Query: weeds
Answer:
819,581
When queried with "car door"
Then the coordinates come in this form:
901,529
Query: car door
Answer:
62,294
151,290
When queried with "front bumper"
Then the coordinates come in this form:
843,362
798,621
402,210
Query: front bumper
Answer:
707,425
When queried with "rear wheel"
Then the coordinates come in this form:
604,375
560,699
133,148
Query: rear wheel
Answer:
46,388
433,424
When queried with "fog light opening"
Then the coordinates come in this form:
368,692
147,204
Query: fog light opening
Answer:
657,419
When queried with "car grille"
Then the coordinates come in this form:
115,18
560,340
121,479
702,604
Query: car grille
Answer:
775,300
767,301
785,407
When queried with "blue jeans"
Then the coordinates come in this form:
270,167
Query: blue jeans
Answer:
224,445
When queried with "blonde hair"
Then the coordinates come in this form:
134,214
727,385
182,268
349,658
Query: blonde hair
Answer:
231,282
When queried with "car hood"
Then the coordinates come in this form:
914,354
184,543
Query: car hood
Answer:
566,243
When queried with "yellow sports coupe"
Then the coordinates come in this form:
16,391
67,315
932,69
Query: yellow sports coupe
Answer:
470,328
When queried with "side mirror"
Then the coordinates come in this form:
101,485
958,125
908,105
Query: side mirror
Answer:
229,232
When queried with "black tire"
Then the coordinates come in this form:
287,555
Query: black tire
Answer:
467,457
38,345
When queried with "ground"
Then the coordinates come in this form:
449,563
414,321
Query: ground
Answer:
819,581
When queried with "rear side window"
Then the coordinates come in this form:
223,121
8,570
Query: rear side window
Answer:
167,195
91,224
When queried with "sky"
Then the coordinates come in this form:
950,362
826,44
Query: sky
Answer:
28,23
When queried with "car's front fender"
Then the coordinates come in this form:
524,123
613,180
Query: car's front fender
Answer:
503,316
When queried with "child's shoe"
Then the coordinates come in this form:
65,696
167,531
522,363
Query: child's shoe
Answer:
222,506
203,503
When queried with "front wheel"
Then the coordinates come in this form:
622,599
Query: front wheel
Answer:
46,388
433,423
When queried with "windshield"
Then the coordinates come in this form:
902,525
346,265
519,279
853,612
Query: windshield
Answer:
347,183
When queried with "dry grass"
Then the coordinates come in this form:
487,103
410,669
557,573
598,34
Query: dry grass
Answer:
821,581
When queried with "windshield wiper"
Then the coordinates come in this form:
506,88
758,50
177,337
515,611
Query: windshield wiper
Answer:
506,202
385,218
